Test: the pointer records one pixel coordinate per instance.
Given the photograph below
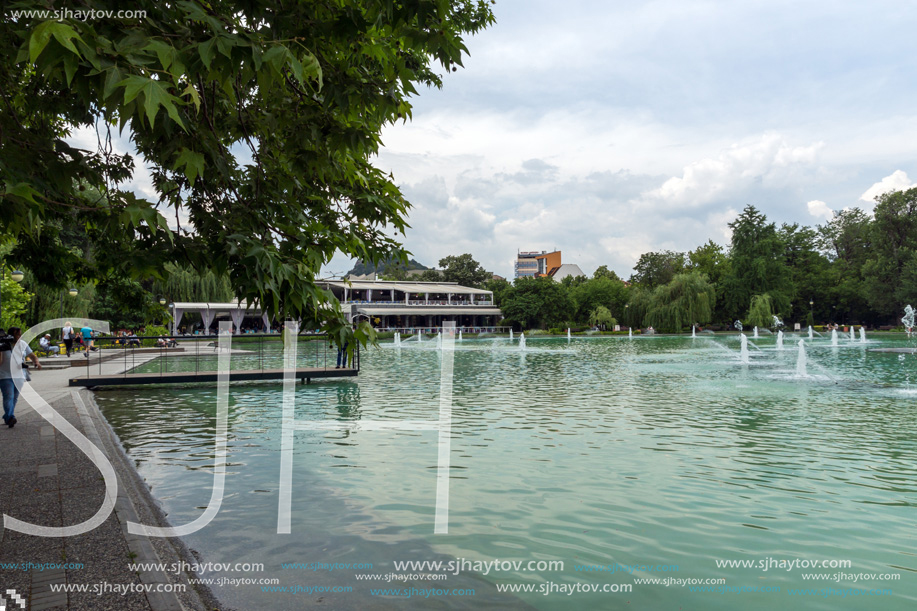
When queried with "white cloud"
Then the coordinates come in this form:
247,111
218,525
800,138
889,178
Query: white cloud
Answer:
897,181
768,161
820,209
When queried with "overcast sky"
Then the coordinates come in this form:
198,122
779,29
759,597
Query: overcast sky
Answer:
608,129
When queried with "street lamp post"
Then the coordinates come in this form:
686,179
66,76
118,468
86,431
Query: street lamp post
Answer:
72,293
162,303
17,276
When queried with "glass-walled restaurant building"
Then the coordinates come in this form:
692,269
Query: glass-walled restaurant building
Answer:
416,306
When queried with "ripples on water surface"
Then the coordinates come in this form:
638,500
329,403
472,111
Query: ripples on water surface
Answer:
652,451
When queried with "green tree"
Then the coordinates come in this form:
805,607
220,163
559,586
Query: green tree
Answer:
657,268
810,273
601,291
603,272
757,265
890,280
14,300
500,287
847,242
638,304
571,282
305,88
187,284
464,270
537,302
430,275
687,300
761,311
601,317
394,272
711,260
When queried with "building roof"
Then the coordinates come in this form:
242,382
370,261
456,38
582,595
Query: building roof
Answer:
407,287
567,269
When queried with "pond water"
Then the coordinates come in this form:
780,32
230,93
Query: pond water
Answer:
606,453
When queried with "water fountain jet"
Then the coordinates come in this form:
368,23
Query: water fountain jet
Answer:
801,360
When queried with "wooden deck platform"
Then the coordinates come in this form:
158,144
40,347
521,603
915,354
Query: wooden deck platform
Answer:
306,374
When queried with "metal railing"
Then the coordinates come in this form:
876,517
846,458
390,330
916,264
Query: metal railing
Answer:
177,354
434,329
418,302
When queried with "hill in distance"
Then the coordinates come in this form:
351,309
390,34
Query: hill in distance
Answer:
362,268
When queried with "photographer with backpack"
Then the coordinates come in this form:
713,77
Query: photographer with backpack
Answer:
13,351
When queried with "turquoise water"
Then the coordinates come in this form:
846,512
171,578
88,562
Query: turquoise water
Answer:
666,453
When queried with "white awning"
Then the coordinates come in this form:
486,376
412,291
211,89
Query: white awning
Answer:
406,287
224,307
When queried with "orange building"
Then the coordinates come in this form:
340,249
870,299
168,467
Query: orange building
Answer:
536,264
549,263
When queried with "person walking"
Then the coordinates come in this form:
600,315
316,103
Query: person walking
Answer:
87,340
67,333
12,374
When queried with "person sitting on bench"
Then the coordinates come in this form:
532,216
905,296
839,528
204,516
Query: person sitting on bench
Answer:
46,346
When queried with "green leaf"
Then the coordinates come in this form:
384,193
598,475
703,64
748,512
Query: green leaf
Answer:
113,79
225,45
195,96
256,57
23,190
163,51
296,67
64,34
206,51
312,69
275,57
154,96
70,65
193,163
39,40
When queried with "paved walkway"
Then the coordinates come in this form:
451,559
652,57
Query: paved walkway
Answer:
46,480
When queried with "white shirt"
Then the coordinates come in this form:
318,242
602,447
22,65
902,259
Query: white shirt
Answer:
16,355
45,343
68,332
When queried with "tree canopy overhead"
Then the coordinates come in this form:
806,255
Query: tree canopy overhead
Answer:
257,120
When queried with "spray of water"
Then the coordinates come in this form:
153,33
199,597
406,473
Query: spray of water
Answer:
801,360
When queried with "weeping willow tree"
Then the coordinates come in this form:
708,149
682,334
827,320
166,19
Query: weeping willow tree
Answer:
187,284
761,311
688,299
637,306
602,316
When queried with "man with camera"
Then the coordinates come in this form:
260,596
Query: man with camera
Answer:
13,352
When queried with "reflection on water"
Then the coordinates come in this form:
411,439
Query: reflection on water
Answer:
657,451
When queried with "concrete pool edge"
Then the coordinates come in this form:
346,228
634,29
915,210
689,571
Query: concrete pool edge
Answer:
135,503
